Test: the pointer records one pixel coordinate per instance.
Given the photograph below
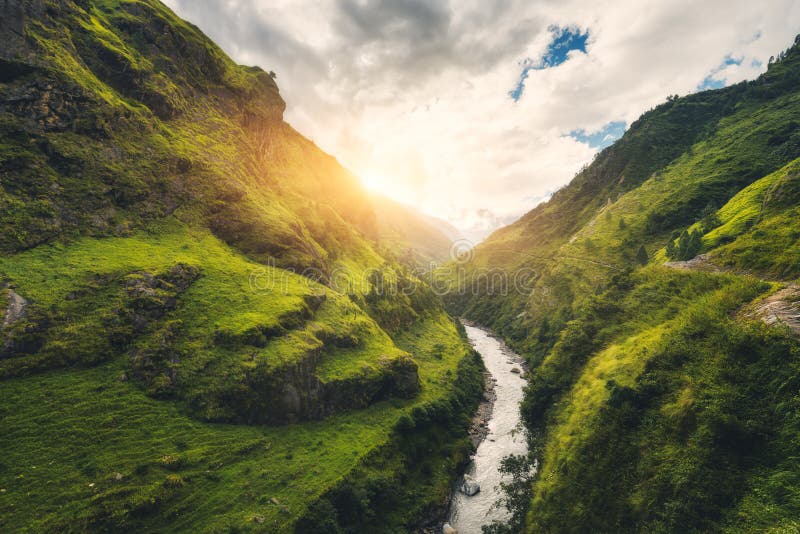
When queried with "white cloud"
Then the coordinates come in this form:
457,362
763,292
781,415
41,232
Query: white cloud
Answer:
414,93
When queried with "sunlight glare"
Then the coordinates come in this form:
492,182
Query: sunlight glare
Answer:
374,181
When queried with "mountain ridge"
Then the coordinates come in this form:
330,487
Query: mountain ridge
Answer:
210,320
422,238
651,397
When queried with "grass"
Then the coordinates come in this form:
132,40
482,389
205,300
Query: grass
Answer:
66,430
82,426
178,245
645,428
224,301
758,227
714,169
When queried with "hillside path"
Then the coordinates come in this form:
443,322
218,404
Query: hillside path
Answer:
780,308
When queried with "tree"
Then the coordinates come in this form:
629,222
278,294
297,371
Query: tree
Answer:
689,245
672,252
622,224
708,218
641,256
517,494
695,244
683,245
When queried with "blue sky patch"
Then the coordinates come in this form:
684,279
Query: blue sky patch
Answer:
711,81
563,41
602,138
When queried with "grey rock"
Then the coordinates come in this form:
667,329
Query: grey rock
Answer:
470,486
15,310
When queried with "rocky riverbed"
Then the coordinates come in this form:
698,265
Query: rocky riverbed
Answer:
495,430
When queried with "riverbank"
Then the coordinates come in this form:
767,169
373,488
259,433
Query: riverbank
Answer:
478,430
407,481
495,431
479,427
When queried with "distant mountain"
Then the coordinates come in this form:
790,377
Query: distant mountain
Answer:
174,256
658,310
412,233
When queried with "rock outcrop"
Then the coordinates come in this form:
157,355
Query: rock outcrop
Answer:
469,486
15,310
294,392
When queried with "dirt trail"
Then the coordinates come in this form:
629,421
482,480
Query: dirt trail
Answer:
699,263
780,308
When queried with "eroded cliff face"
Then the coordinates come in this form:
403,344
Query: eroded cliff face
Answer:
295,392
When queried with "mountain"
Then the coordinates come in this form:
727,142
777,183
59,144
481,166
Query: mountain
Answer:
419,237
200,328
655,298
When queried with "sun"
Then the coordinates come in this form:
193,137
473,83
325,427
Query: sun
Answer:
374,181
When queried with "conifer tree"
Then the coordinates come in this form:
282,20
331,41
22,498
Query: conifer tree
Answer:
641,256
683,245
694,245
671,250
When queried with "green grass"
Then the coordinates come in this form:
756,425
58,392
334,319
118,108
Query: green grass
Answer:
65,430
82,426
232,297
137,213
713,169
668,427
758,230
654,404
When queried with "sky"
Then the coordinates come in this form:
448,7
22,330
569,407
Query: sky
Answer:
475,111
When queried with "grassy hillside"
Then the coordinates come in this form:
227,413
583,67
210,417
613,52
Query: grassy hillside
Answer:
658,401
200,328
416,237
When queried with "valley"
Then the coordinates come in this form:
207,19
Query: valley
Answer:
201,327
208,324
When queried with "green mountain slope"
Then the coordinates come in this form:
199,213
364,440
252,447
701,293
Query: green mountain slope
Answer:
659,399
180,269
416,237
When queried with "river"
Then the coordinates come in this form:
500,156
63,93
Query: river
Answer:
468,514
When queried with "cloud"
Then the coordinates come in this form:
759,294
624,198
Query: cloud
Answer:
562,43
717,77
602,137
415,93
